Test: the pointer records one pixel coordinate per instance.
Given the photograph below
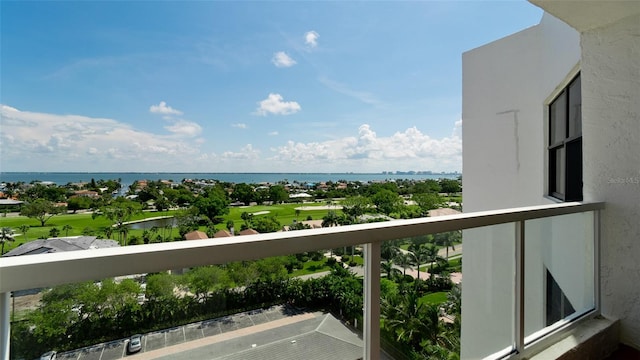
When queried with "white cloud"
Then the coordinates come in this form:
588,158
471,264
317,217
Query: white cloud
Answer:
311,38
274,104
246,153
409,149
239,125
363,96
281,59
162,108
184,128
32,141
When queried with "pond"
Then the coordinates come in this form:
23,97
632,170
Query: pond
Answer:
148,224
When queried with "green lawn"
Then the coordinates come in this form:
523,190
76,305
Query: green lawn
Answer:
434,298
285,213
311,267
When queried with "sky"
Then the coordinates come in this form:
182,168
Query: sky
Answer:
216,86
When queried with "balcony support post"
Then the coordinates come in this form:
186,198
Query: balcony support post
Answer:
519,288
372,301
5,325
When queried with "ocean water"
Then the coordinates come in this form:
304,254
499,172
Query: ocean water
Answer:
127,178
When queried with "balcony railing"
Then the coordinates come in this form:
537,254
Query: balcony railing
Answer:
47,270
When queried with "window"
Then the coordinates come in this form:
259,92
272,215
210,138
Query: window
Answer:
565,143
558,305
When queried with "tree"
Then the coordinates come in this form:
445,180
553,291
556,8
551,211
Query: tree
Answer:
40,209
404,261
266,224
448,239
331,219
205,279
411,320
6,235
418,257
78,202
450,186
278,194
243,193
247,218
427,201
386,201
213,203
66,229
54,232
24,228
119,212
355,206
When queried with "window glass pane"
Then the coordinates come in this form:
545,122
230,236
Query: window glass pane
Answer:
559,171
559,270
488,291
574,170
575,108
557,119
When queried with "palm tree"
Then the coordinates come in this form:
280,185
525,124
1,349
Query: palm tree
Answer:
6,235
419,256
389,250
108,231
66,229
431,254
411,320
404,261
389,268
24,229
448,239
54,232
331,219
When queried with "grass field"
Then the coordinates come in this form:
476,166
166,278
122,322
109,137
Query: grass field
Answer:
434,298
285,213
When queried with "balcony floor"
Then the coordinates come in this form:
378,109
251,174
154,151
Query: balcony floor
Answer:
625,352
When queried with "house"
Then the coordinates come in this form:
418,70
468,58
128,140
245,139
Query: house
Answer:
551,114
222,233
195,235
248,232
87,193
62,244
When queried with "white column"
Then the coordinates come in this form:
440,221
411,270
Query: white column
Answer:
5,328
372,301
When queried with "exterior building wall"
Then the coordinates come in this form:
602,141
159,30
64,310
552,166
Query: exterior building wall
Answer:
611,141
506,85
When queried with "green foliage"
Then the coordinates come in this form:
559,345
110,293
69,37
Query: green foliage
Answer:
40,209
451,186
78,203
6,235
278,194
355,206
266,224
386,201
213,203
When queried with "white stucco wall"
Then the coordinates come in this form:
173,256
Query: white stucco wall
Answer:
611,141
505,86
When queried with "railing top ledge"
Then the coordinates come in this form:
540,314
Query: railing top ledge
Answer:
32,271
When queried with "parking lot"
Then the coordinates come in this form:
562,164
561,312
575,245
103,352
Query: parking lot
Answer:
178,335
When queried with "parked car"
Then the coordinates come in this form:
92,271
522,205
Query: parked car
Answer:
135,344
51,355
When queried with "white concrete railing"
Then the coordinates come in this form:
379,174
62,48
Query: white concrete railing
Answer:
46,270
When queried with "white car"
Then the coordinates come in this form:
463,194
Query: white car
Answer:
51,355
135,344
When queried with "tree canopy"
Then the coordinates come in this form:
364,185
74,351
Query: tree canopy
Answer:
40,209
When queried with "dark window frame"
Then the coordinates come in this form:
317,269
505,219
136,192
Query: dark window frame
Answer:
565,143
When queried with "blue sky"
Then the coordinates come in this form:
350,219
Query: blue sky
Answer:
271,86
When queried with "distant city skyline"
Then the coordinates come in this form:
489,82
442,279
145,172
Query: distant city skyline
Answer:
362,87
